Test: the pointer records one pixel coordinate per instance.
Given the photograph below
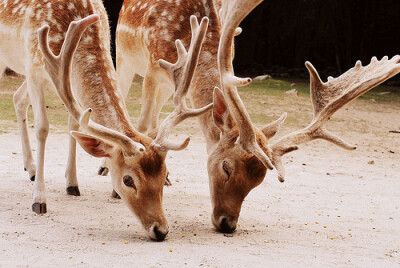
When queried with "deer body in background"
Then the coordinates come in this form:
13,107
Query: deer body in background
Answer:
239,153
145,33
84,77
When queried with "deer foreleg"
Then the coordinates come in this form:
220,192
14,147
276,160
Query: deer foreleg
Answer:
70,172
36,93
21,104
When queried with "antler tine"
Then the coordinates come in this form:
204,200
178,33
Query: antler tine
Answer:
182,72
59,69
232,15
329,97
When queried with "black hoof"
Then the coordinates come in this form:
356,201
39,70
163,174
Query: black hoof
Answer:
103,171
33,178
167,182
115,195
39,208
24,169
73,190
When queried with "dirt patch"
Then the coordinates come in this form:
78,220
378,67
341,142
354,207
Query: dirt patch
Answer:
336,207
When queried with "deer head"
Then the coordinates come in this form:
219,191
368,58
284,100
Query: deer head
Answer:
239,161
137,162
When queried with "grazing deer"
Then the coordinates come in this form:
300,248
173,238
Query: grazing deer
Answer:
84,77
238,152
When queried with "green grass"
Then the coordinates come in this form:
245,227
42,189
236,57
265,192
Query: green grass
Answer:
265,102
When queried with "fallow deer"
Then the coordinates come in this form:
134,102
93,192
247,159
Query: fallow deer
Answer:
238,152
84,77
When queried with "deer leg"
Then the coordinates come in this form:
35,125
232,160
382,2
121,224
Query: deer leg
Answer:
35,89
70,172
21,104
148,100
125,74
103,169
165,90
2,69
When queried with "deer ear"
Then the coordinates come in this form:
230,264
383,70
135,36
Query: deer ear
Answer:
93,145
221,115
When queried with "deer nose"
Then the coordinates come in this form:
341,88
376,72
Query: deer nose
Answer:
158,233
226,226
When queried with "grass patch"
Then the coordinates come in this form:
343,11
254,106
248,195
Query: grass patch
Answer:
265,102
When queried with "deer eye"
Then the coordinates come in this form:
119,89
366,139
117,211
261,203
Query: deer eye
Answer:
128,181
227,168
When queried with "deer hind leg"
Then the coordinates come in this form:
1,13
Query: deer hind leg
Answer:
21,104
165,90
36,86
2,69
153,98
70,172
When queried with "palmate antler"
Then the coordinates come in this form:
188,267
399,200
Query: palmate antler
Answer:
182,73
329,97
231,15
59,69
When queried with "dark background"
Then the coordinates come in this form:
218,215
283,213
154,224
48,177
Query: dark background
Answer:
279,36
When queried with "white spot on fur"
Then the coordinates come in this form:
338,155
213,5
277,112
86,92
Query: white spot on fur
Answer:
206,56
210,35
29,12
126,29
197,14
90,59
88,39
165,35
164,13
39,14
213,71
71,6
133,9
206,8
144,6
170,18
22,10
56,38
181,18
177,27
85,4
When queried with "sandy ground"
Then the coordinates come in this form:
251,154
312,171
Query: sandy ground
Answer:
336,208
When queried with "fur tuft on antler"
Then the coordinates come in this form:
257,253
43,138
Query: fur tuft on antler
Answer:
329,97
